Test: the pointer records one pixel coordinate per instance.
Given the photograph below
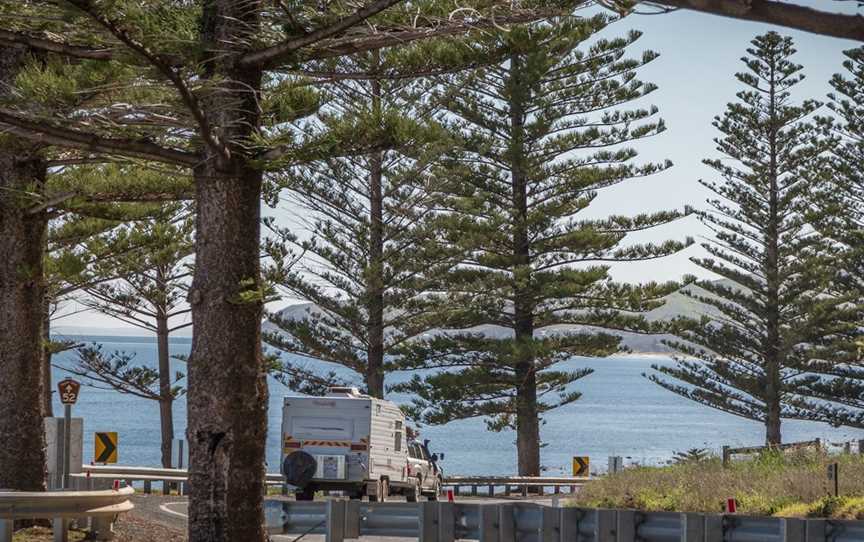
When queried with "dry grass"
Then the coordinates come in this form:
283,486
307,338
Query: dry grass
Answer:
773,484
43,534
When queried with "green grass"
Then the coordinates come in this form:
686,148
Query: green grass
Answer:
773,484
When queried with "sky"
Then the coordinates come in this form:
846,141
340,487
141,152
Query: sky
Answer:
699,55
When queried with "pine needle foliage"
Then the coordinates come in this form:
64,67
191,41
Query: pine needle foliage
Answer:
371,248
540,134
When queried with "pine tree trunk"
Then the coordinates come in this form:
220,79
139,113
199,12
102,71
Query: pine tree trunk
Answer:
227,394
375,280
527,416
227,397
166,400
772,301
22,291
47,385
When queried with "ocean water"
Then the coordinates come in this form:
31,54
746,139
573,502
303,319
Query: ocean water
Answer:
620,413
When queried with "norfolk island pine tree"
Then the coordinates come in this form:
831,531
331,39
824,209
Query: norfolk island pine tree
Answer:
751,359
838,213
540,135
371,248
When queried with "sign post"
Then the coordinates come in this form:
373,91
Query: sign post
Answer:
68,389
834,476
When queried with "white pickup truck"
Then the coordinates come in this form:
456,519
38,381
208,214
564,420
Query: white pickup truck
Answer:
350,442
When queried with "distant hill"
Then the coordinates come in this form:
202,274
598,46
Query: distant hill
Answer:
677,304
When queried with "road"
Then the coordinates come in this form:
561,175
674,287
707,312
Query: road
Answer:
172,512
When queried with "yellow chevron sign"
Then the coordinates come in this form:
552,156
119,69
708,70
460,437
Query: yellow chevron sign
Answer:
581,465
105,448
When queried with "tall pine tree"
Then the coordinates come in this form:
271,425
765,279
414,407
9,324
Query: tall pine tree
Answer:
371,249
152,273
749,360
540,133
838,385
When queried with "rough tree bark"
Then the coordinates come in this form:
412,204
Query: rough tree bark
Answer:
773,394
22,291
47,388
166,399
375,286
527,417
227,397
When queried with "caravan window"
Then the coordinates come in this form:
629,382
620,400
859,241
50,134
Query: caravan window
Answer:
397,445
314,428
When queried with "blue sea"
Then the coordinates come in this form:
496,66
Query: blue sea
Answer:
620,413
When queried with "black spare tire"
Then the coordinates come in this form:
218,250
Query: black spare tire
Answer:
299,468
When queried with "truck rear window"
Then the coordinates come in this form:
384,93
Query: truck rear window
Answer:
307,428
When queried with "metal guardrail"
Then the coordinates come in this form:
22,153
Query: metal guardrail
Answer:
528,522
728,451
509,483
62,506
520,483
148,475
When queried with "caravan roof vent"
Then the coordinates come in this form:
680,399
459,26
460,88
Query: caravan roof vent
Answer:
344,391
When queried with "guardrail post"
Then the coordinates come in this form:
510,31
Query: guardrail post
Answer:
816,530
489,523
693,528
604,526
551,524
446,522
568,524
60,526
428,527
6,530
506,523
714,528
352,519
792,530
626,525
147,487
335,521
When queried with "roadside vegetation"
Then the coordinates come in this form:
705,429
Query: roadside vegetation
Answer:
791,485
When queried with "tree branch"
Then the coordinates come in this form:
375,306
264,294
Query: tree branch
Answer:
358,44
165,66
9,38
66,137
780,13
271,56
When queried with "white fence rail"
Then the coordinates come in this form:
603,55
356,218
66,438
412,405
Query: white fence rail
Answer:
102,507
527,522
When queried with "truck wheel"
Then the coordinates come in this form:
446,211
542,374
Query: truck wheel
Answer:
436,491
381,495
413,493
305,495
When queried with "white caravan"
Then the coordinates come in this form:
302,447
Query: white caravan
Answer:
347,441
